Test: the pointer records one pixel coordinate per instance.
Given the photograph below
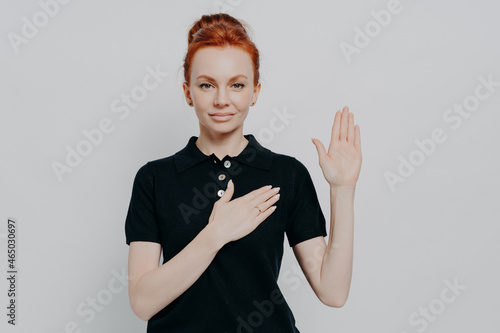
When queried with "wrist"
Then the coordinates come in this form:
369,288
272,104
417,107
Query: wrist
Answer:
342,187
213,237
343,192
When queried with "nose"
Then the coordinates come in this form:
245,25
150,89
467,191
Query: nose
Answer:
221,99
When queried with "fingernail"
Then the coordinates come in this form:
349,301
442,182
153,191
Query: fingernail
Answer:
230,183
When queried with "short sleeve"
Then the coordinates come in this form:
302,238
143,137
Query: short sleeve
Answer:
141,223
305,217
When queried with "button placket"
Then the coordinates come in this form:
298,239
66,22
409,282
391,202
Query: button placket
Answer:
222,176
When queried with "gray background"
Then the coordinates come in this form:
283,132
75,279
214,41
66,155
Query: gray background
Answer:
440,224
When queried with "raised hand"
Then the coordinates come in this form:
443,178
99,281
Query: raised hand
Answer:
342,163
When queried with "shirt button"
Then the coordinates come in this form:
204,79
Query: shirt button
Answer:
220,193
227,164
222,176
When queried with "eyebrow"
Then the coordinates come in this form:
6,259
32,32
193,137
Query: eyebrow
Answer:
211,79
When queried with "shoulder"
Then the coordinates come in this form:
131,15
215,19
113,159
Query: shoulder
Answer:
161,163
156,167
288,163
290,168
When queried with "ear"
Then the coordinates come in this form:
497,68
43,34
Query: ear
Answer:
187,92
256,91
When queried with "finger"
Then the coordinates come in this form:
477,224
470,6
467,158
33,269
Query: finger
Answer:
268,203
264,197
357,139
344,123
228,193
350,128
335,131
255,193
319,148
264,215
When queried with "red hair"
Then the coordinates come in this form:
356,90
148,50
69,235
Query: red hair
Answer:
219,30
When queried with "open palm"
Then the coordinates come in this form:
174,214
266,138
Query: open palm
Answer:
342,163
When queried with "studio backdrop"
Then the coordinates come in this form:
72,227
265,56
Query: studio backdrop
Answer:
92,90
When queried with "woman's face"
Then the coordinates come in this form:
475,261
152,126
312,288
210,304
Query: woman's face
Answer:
221,88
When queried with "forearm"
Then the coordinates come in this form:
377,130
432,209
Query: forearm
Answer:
160,286
336,270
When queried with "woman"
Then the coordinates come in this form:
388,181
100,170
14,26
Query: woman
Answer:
222,240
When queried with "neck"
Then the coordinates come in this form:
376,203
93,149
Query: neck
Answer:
222,144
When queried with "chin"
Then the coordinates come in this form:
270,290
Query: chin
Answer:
223,128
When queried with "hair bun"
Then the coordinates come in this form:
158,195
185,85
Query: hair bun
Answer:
220,20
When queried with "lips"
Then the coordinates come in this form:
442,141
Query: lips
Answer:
222,116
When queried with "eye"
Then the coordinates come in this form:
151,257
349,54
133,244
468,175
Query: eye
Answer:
241,85
203,85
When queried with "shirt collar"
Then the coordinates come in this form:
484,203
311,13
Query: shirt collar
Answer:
254,155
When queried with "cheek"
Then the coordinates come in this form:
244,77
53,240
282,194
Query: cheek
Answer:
197,95
242,99
202,99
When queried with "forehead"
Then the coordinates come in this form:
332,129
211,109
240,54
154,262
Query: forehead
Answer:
221,62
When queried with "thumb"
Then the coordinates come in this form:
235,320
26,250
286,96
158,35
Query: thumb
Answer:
228,193
319,147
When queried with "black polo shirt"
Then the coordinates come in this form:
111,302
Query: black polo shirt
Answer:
171,202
